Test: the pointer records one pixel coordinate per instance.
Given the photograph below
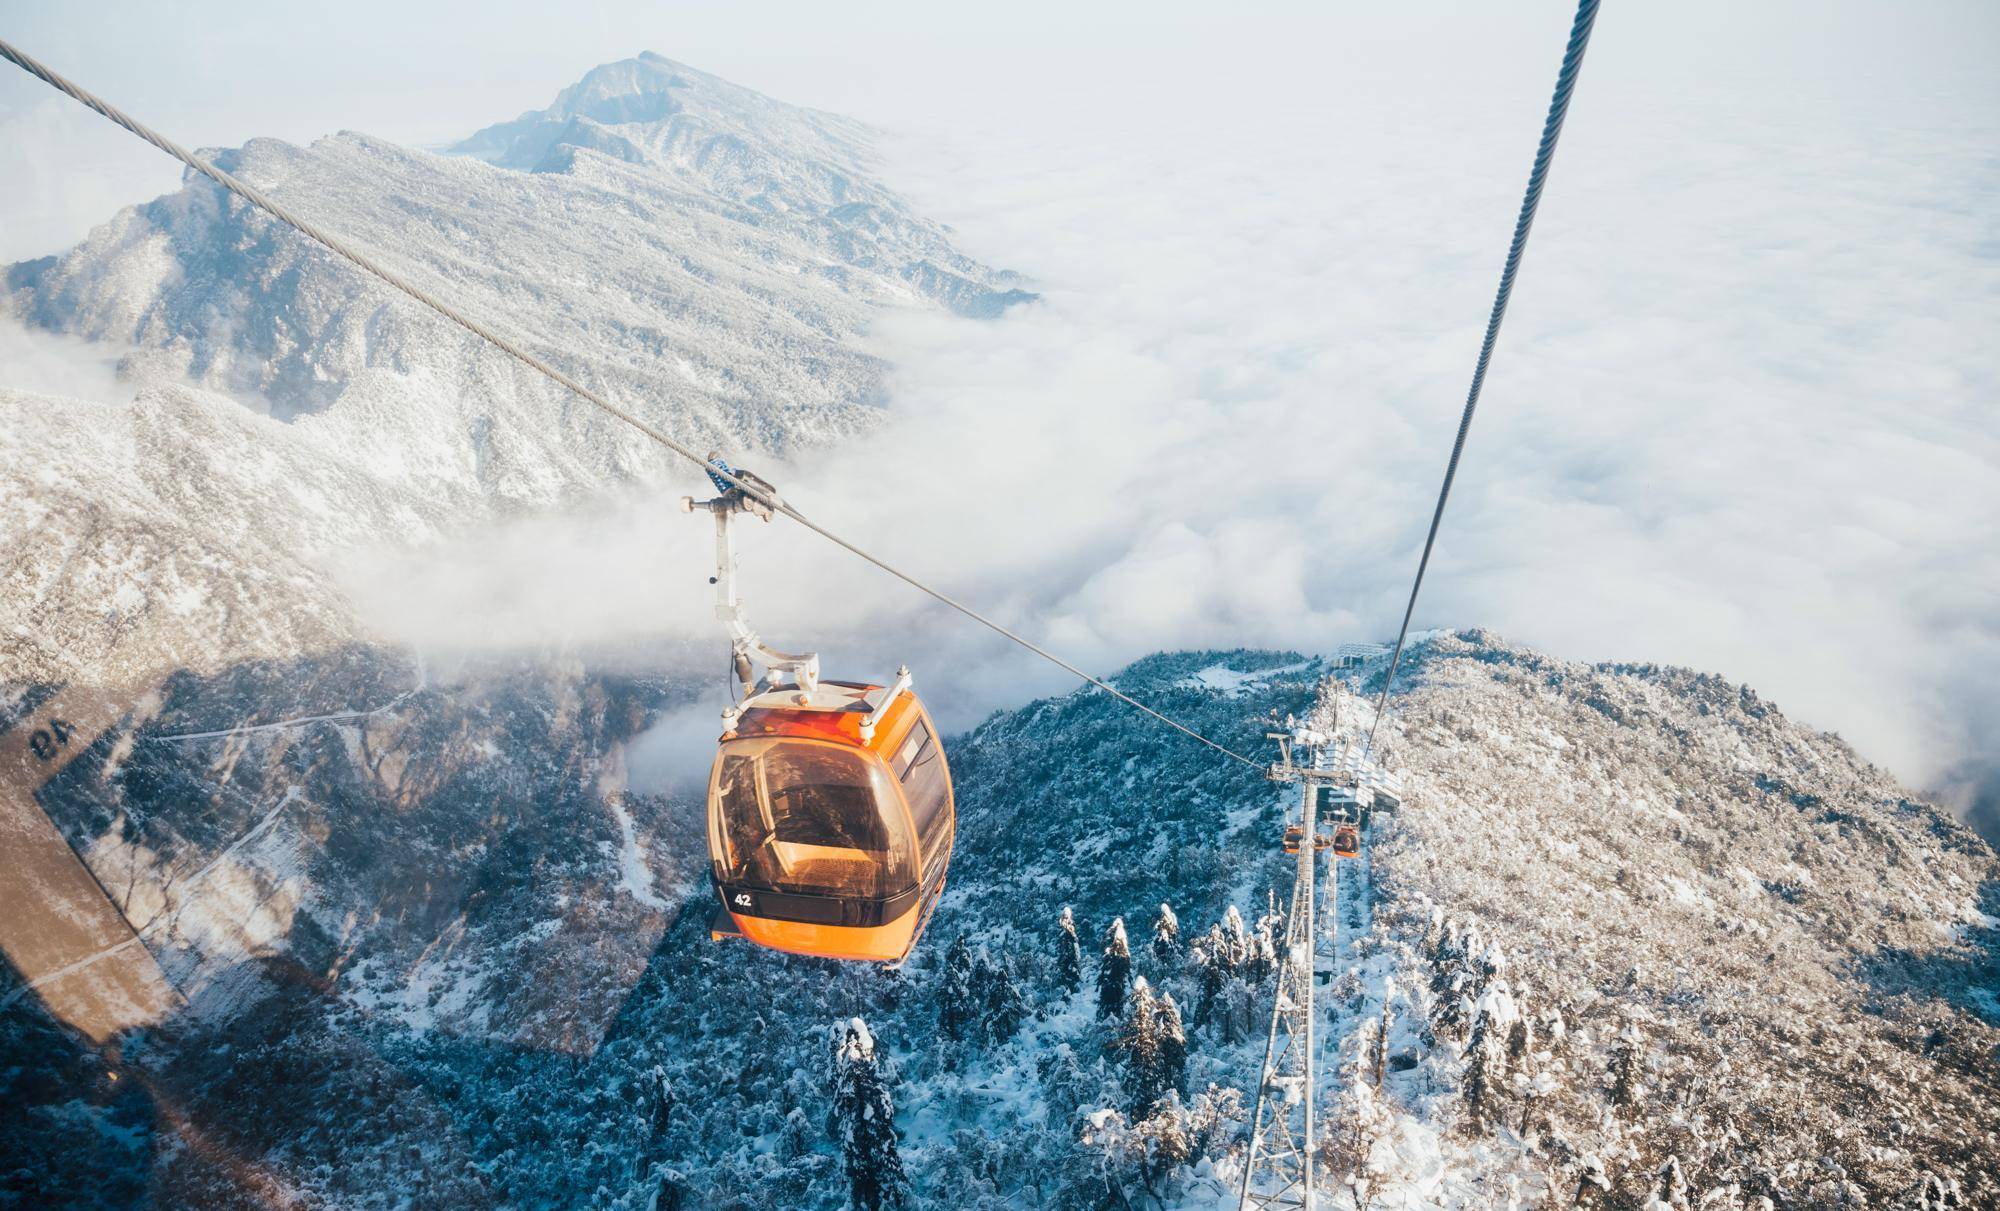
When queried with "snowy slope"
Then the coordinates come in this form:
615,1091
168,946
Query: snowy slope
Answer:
1654,871
1797,953
801,169
721,285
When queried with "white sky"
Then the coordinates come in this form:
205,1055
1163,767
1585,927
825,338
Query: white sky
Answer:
1742,416
220,72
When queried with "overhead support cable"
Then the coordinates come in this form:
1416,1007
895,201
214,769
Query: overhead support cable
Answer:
360,260
1579,38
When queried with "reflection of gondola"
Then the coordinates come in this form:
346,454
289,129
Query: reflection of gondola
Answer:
830,817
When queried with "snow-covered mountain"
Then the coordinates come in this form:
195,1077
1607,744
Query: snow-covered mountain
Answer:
709,257
1636,940
1704,955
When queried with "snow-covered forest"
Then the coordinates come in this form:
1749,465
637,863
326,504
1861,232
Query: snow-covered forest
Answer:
1634,936
1633,941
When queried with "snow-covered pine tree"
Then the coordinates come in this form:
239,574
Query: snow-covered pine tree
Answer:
795,1138
669,1191
1452,980
1486,968
1593,1184
1114,970
1454,1011
1002,1008
863,1122
1380,1059
1479,1076
1211,975
1139,1045
1268,939
1166,938
1625,1068
1670,1192
1235,940
1554,1030
1433,935
1936,1193
1238,1009
1173,1045
659,1102
958,1005
1263,958
1520,1042
1445,956
1069,952
1065,1086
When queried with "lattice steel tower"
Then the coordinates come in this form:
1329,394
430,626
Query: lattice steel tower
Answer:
1278,1168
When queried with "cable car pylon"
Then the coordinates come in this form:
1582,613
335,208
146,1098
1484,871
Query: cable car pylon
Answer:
1340,783
1278,1166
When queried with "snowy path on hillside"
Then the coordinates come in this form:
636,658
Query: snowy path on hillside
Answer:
423,683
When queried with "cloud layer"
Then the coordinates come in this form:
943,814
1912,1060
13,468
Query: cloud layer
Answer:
1740,417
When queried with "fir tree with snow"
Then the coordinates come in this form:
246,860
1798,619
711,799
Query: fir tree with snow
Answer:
958,1004
795,1138
1002,1008
1670,1190
1208,956
1166,938
659,1102
1593,1183
1263,961
1069,952
1139,1045
1936,1193
1064,1084
1238,1011
1625,1068
1235,940
1480,1055
863,1123
1490,963
1173,1045
1267,942
1520,1042
1114,970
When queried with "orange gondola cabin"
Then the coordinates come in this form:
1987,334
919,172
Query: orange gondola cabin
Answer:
830,816
1347,841
830,820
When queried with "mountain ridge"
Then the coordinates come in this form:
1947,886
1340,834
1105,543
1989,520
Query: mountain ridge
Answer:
716,298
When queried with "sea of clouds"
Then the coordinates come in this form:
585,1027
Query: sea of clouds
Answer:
1741,416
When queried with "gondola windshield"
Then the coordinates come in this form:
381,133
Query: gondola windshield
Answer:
809,818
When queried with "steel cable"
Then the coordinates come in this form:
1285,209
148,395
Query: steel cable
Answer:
258,199
1579,38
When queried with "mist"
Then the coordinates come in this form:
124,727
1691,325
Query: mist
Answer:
1739,418
32,359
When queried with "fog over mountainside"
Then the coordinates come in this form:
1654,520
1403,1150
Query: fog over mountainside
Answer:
435,915
717,270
